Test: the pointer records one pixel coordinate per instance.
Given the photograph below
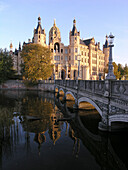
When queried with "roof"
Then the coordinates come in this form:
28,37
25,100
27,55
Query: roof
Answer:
86,42
74,30
106,44
39,26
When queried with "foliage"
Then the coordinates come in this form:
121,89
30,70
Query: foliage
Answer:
126,72
6,66
119,71
37,62
116,72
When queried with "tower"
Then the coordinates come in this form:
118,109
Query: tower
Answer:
106,51
55,38
39,34
74,35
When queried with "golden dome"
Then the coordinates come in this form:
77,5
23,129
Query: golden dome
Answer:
54,31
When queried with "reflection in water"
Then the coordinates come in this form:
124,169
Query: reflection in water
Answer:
31,137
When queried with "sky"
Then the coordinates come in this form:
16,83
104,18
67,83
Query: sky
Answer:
94,18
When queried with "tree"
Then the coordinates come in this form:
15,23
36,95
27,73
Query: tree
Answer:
6,66
121,69
115,70
126,72
37,62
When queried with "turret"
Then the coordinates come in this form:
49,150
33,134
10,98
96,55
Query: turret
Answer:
74,35
106,51
39,34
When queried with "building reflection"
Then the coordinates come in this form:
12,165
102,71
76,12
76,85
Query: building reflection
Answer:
14,132
76,140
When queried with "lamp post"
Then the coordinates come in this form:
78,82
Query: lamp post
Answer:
79,58
110,75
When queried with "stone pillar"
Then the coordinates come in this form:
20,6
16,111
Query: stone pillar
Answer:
66,70
87,77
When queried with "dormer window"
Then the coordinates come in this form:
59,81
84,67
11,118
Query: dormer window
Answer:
39,36
39,32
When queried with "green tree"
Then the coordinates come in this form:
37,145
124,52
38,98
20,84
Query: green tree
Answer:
37,62
6,66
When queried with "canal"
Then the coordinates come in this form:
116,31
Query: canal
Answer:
39,131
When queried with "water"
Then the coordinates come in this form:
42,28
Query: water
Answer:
32,138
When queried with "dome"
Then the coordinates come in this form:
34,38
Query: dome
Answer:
39,18
74,21
54,31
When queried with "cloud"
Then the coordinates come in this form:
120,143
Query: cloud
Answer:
3,6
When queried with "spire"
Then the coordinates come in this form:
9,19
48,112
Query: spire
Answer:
11,46
39,19
106,42
74,22
54,22
106,37
19,46
74,30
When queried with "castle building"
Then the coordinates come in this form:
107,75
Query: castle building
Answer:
83,55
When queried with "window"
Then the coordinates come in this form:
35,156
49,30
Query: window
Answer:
75,38
82,59
66,58
61,50
52,50
66,51
85,53
81,52
39,36
76,50
57,58
69,58
75,57
69,50
61,57
94,61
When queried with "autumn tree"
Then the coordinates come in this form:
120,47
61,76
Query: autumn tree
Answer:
6,66
126,72
115,70
37,62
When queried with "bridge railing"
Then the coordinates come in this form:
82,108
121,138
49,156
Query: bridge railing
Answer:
94,86
115,88
46,81
119,89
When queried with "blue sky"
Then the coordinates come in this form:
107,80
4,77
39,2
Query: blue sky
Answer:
94,18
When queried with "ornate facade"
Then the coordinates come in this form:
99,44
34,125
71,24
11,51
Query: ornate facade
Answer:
83,55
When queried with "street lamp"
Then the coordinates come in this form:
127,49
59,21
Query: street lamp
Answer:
78,58
110,75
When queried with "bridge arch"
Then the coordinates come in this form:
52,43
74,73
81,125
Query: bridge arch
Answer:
61,89
118,118
56,87
85,99
68,92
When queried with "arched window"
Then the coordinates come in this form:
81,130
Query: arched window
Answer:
56,47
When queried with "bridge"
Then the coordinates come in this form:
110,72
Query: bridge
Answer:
109,97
